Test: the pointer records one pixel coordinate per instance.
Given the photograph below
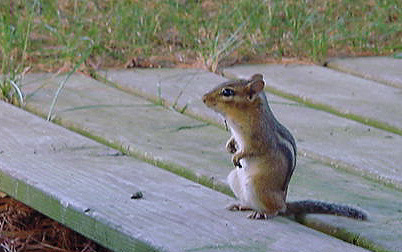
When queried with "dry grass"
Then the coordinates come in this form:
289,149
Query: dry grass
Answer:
24,229
179,33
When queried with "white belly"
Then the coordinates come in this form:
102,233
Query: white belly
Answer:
240,182
239,179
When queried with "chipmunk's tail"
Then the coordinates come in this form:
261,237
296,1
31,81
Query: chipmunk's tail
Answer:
299,208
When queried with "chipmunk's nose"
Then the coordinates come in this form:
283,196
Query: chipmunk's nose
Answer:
204,98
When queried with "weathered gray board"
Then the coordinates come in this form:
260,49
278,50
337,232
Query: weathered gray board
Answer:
86,186
345,93
131,122
387,70
169,136
360,148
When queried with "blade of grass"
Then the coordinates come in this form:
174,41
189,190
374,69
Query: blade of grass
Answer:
17,89
64,81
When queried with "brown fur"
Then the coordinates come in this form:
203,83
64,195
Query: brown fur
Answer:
266,148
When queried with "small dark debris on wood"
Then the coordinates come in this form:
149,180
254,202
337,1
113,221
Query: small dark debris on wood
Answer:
117,154
189,127
137,195
111,154
24,229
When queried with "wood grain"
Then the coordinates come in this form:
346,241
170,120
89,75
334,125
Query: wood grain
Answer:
88,187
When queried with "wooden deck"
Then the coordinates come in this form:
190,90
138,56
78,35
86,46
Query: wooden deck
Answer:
88,185
89,188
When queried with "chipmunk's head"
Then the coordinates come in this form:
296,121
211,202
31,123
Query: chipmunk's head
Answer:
236,96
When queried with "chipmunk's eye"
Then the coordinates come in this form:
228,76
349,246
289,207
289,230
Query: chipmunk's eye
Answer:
227,92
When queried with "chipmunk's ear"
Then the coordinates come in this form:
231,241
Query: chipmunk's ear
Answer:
257,77
255,86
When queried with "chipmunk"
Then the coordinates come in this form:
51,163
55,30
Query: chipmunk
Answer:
264,154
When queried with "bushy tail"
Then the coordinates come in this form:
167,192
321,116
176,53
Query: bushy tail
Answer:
298,208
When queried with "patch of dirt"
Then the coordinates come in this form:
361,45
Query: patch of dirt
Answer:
24,229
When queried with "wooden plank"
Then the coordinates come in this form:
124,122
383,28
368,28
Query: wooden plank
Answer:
354,146
179,88
168,136
387,70
137,125
88,187
352,96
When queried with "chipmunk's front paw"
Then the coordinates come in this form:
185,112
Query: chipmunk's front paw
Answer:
236,160
231,145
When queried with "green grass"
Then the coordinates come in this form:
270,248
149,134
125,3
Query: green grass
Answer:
83,35
206,30
14,40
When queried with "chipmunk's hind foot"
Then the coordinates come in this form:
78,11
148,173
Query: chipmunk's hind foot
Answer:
259,216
